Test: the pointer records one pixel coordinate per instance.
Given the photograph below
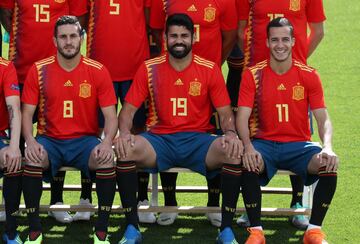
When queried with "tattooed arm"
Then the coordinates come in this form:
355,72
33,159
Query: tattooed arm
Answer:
12,155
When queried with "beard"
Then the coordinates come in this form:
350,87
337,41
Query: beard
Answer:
179,54
69,55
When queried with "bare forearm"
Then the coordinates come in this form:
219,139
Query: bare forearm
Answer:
110,129
228,42
15,124
27,127
315,37
325,133
227,123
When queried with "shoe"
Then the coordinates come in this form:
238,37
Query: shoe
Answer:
314,236
131,236
97,241
61,216
2,216
85,216
16,240
166,218
38,240
146,217
214,218
299,221
243,221
256,237
226,237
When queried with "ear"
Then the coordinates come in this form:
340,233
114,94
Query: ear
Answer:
293,42
267,42
55,43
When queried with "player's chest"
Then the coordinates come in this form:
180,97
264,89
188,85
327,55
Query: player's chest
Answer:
270,9
205,13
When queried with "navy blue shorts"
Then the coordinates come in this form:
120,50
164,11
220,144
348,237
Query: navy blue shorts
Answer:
4,142
70,152
183,149
121,89
292,156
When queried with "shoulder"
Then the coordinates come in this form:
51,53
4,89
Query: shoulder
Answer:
155,61
44,62
202,62
92,64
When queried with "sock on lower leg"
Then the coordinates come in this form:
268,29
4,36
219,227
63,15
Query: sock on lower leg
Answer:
251,193
214,191
12,194
230,188
126,178
168,183
143,183
324,193
32,188
57,187
297,186
86,187
105,189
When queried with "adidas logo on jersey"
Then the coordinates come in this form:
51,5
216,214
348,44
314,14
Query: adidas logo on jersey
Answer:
192,8
68,83
281,87
178,82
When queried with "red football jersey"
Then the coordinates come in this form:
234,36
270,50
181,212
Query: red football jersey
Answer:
117,36
258,14
68,102
8,87
179,101
210,17
33,27
280,102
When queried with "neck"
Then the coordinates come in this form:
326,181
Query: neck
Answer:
280,67
68,64
180,64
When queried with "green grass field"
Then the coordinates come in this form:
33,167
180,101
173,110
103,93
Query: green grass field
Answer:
337,61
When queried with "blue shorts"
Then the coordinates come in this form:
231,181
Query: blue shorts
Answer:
70,152
183,149
121,89
292,156
4,142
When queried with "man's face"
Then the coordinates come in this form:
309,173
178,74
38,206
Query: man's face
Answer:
68,41
179,41
280,43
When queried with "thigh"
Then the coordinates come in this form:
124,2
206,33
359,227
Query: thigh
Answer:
268,151
296,157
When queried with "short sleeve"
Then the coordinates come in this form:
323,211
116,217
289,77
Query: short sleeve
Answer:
10,81
8,4
106,92
247,90
30,94
228,18
243,7
315,11
316,92
217,89
157,14
139,90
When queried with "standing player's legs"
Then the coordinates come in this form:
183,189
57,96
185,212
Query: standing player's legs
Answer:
142,154
12,195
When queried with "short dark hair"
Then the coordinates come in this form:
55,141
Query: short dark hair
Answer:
280,22
180,20
68,20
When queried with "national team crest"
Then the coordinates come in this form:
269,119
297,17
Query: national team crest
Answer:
85,90
195,88
294,5
209,14
298,93
59,1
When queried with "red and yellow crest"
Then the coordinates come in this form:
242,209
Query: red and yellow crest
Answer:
209,14
298,93
59,1
295,5
195,88
85,90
